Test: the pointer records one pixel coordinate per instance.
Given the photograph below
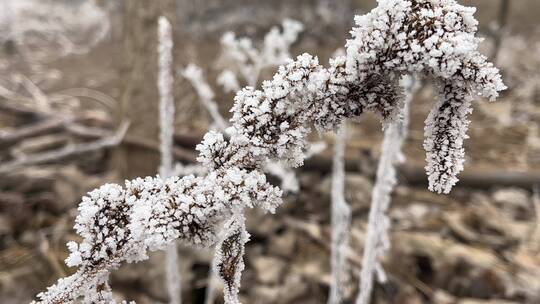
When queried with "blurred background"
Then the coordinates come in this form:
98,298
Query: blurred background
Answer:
73,73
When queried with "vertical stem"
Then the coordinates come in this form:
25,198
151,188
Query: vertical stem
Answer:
174,285
377,241
166,99
166,123
341,217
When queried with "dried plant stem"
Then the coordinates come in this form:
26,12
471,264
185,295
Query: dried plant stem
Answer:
205,93
341,218
166,120
173,274
377,241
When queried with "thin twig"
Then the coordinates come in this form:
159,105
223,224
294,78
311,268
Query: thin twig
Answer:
67,151
341,218
377,240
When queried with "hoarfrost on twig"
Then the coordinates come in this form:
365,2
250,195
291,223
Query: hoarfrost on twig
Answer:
166,122
206,95
377,240
341,218
229,256
432,38
249,61
193,73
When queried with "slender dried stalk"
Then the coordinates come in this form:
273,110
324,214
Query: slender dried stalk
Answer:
166,122
377,240
341,218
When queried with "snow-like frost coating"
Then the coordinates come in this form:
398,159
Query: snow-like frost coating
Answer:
430,38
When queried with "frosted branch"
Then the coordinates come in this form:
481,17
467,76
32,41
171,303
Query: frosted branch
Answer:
206,95
193,73
433,38
229,261
173,275
166,123
428,37
249,61
377,241
445,132
166,99
341,218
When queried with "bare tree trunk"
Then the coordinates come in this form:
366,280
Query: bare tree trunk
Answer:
139,94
